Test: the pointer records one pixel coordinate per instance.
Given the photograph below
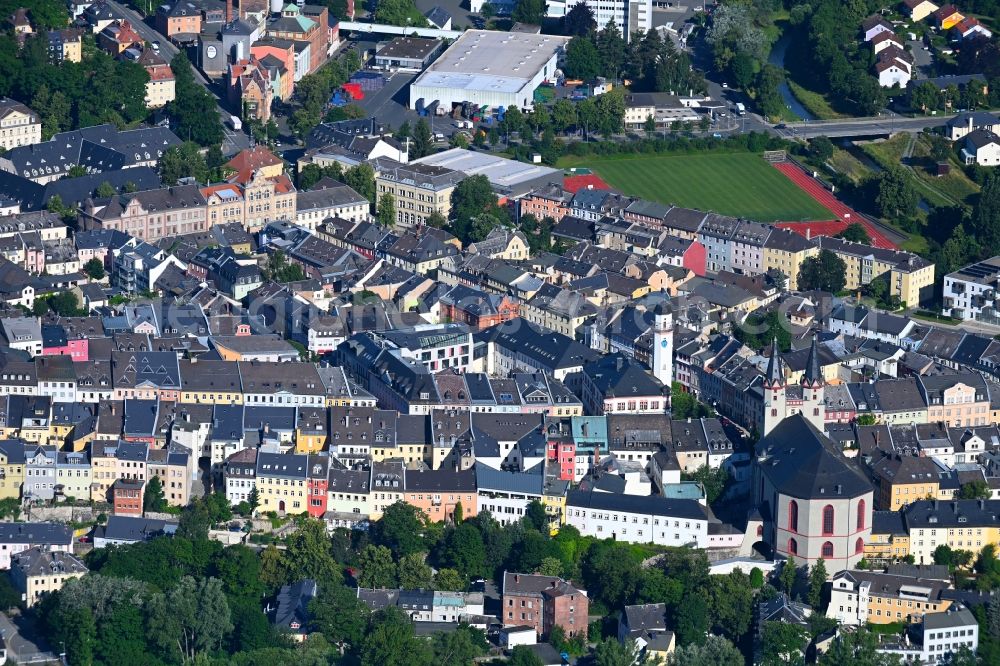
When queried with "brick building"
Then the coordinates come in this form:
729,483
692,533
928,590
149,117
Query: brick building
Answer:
127,497
544,602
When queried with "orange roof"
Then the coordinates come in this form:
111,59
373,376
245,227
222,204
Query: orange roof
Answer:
209,190
283,184
250,160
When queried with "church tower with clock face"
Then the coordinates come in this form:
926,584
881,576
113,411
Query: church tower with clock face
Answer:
663,344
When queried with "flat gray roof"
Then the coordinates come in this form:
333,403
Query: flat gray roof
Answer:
492,61
500,171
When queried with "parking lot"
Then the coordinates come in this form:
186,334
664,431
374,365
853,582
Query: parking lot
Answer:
389,105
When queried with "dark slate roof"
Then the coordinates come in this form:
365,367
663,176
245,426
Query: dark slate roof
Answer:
954,513
53,533
888,522
133,528
293,603
802,462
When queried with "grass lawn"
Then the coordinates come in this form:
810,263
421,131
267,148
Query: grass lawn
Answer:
948,190
739,184
849,165
814,102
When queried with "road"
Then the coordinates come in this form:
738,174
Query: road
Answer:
235,141
20,648
887,124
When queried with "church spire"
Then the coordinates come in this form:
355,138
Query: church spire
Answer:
812,377
775,368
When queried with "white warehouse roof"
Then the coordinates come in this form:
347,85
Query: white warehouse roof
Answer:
502,173
489,60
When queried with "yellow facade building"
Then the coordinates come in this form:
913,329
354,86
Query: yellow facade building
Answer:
910,277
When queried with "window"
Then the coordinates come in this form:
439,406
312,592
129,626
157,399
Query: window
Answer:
828,519
827,549
861,515
793,516
859,546
793,547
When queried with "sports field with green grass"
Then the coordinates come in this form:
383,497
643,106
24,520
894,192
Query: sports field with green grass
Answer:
739,184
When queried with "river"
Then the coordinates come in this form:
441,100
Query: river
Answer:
777,58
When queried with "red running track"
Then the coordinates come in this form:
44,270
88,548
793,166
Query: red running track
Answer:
845,214
576,183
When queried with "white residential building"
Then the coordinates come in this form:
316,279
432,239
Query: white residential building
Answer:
632,519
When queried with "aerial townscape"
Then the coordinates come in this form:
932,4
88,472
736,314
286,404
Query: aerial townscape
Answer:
525,332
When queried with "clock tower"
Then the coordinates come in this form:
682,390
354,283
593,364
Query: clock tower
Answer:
663,344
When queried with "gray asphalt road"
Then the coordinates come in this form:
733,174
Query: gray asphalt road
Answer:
860,126
23,650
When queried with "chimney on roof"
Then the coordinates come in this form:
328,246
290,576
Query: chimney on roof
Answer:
970,122
808,233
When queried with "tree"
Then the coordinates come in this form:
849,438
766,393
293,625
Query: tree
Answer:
153,498
339,614
459,140
693,620
399,12
449,580
731,604
535,516
522,655
825,272
857,647
787,576
460,647
704,123
183,161
76,632
713,480
194,111
579,21
280,269
822,148
401,529
896,196
856,233
715,651
192,617
582,59
471,198
361,178
65,304
743,68
487,11
529,11
253,499
273,568
977,489
463,550
783,643
756,578
817,579
423,141
866,420
437,220
391,642
610,652
564,115
105,190
377,568
414,573
94,269
309,552
610,572
551,566
387,210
